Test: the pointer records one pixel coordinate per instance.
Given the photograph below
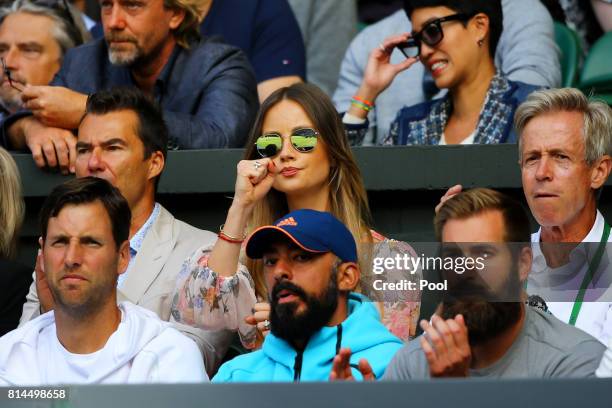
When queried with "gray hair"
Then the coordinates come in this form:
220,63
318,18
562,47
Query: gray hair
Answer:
11,205
597,127
63,30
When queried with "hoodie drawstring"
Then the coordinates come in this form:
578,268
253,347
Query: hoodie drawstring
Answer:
297,366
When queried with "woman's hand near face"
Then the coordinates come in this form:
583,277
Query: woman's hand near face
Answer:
380,72
254,179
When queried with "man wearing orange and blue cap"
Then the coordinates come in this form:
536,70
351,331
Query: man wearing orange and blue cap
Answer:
311,268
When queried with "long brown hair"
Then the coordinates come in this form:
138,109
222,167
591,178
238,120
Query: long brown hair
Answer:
348,200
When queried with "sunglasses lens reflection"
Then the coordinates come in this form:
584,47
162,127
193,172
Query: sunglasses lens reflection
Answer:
269,145
304,140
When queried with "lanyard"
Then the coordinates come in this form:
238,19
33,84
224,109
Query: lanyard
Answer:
588,277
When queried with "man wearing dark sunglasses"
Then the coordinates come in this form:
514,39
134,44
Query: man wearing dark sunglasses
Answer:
34,35
526,52
206,89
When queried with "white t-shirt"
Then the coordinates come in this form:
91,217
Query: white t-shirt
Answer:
560,286
143,349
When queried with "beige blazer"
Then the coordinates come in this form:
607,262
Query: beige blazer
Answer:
152,280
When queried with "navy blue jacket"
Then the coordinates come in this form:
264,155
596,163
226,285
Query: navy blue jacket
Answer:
208,92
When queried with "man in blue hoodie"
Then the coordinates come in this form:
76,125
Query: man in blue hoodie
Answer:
311,268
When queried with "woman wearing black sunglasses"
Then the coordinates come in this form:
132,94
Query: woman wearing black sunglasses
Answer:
456,41
297,157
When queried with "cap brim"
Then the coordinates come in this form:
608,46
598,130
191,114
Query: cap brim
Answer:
260,239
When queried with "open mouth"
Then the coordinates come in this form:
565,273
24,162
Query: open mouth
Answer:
438,66
286,296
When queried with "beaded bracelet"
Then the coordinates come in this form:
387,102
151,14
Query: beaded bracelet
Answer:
362,103
368,103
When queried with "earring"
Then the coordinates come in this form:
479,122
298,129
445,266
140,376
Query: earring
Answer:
480,42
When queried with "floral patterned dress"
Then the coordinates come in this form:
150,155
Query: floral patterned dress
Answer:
206,300
399,310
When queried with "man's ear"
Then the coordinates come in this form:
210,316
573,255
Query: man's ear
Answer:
156,164
348,276
124,257
41,243
600,171
178,15
525,259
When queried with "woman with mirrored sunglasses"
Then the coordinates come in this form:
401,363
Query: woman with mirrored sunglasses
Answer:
456,42
297,157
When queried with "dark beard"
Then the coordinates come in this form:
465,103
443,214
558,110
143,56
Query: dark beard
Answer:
486,314
295,328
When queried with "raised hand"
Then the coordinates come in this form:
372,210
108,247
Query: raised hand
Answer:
260,317
380,72
253,181
446,347
55,106
45,297
341,369
450,193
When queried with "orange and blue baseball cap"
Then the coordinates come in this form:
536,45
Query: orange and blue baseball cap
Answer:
313,231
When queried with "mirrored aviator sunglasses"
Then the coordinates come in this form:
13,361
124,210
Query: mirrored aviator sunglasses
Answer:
303,140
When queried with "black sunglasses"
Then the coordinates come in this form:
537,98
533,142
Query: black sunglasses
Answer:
432,34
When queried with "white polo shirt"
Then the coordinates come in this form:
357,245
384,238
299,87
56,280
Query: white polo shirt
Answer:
560,286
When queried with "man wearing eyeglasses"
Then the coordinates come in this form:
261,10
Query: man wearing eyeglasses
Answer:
206,89
33,39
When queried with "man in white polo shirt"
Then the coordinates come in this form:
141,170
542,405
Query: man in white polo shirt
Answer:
564,155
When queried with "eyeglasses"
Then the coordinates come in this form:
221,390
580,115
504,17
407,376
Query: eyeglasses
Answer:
432,34
7,73
303,140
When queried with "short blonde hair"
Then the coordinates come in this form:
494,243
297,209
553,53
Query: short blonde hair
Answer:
597,127
195,11
11,205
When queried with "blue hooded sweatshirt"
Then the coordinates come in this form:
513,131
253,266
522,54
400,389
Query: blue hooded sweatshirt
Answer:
277,360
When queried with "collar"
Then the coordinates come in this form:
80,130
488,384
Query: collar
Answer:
163,80
578,255
138,238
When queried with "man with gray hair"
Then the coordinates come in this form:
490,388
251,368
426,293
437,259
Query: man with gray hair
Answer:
33,40
564,155
206,89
